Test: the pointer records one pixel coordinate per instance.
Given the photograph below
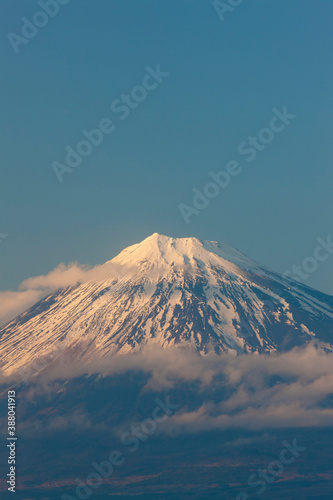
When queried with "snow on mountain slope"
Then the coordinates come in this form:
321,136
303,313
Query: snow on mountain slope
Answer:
176,292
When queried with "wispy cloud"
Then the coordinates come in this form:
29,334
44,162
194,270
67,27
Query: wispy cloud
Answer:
33,289
13,303
255,392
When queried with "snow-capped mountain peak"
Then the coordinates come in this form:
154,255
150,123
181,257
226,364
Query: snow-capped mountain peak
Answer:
159,251
172,292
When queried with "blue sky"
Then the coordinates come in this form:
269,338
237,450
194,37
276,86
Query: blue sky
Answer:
225,79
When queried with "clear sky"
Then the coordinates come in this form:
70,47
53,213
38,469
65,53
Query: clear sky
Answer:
224,80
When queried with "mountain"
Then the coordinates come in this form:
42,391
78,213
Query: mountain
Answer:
172,292
226,416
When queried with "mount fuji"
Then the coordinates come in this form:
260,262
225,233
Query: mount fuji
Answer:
173,293
242,355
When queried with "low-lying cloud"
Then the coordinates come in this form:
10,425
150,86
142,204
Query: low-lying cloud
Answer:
249,391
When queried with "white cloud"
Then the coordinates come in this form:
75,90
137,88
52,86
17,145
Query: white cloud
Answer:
292,389
13,303
33,289
266,391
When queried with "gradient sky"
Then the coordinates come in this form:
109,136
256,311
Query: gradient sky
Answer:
225,79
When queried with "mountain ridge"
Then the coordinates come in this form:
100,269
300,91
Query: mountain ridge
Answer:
172,292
